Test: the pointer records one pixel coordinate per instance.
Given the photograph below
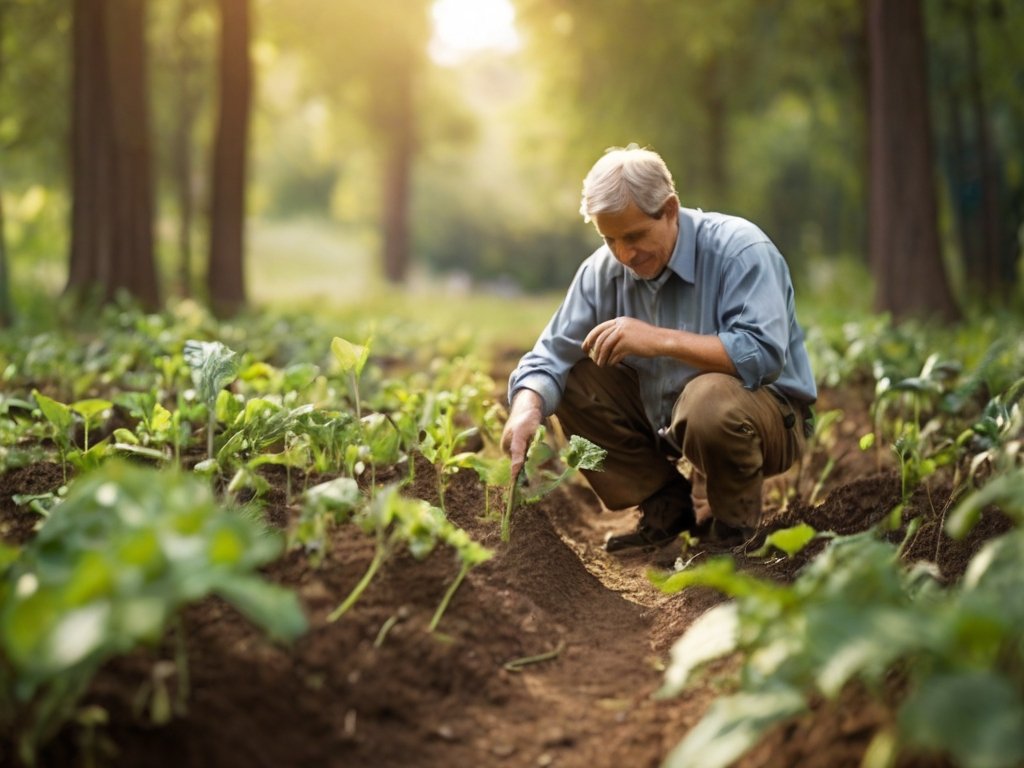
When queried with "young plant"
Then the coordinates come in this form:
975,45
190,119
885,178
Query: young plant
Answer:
535,482
469,554
60,419
393,520
351,359
109,570
442,439
856,614
213,367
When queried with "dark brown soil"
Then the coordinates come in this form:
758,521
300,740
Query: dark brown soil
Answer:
355,693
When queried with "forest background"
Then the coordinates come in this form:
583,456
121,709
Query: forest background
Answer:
320,152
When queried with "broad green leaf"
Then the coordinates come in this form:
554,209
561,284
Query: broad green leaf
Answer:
56,413
213,365
978,717
339,495
275,609
583,454
789,540
711,636
1005,491
733,725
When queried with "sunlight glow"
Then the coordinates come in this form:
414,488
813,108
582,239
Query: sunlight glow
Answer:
465,27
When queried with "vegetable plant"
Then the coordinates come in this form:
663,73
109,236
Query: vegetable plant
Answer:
855,613
108,570
535,482
213,367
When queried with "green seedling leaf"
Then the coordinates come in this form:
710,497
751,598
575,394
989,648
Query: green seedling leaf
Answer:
351,357
213,365
788,540
91,408
867,442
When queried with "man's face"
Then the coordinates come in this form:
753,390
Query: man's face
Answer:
640,242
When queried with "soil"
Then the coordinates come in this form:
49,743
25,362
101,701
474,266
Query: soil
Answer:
377,690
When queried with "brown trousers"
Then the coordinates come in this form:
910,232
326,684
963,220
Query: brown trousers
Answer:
732,435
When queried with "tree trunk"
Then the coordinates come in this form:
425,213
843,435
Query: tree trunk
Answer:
6,308
112,205
398,123
905,258
989,270
225,277
187,97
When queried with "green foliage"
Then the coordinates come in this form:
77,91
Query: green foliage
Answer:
397,521
855,613
535,481
213,366
108,570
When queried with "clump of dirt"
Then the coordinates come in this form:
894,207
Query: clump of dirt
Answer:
377,689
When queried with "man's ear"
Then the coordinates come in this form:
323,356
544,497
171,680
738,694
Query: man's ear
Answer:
670,209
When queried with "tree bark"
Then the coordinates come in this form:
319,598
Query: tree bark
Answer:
398,124
225,277
6,307
187,63
112,190
904,252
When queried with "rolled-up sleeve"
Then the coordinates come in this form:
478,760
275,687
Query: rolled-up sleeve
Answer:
753,314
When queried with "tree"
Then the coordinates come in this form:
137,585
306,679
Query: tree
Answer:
6,309
367,58
903,224
112,195
980,118
225,277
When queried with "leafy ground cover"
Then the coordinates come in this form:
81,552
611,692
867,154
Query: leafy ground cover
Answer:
548,651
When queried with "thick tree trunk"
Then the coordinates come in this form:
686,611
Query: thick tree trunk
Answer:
905,258
225,277
112,205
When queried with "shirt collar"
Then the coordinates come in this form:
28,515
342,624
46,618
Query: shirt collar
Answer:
683,261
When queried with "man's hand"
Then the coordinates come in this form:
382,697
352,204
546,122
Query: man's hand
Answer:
524,417
609,342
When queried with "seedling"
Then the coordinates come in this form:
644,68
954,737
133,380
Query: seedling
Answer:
351,359
213,366
534,482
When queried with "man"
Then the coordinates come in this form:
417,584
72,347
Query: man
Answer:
677,338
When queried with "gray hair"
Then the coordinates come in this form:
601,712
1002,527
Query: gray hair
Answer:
623,176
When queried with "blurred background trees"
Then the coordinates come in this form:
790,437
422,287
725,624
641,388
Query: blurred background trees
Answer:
424,157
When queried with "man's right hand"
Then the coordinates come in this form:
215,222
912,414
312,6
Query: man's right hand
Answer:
524,417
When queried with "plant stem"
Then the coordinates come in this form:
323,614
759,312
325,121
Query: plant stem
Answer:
211,420
516,665
452,588
506,518
378,559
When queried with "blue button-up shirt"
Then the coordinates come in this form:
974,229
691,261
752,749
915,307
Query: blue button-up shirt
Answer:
725,277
